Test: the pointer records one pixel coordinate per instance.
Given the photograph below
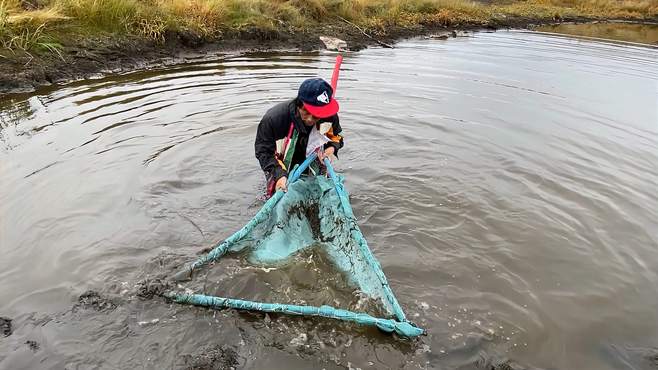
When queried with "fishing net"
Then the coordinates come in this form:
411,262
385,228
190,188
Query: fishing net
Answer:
314,214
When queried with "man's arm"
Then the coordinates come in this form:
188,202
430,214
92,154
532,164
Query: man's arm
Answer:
265,146
335,139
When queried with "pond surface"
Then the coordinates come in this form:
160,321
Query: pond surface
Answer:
635,33
505,181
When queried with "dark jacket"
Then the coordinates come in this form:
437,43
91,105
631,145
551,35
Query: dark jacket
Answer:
275,125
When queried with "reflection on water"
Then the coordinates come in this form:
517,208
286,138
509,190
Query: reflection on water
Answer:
506,182
639,33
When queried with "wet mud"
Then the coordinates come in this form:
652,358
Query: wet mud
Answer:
91,300
5,326
309,211
150,288
33,345
217,357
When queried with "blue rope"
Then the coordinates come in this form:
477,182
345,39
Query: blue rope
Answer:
363,245
387,325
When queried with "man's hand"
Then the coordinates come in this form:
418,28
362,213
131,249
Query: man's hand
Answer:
328,153
281,184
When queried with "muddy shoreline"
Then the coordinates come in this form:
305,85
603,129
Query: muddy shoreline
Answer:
104,56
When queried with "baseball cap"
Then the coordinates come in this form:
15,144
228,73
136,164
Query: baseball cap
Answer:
317,96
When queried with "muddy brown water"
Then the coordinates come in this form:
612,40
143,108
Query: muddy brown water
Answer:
506,182
628,32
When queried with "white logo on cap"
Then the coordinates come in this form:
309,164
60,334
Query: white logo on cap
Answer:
323,98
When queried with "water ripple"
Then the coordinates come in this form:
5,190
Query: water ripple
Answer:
505,181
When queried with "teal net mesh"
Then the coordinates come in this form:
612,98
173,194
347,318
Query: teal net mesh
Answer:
314,215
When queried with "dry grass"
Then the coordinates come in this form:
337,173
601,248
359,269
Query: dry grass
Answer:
583,8
27,30
154,19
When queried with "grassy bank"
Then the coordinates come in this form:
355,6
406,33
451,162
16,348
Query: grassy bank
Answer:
37,26
48,41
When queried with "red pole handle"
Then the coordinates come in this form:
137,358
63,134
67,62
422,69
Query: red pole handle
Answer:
334,76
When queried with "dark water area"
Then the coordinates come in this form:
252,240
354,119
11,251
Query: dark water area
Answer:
506,182
628,32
